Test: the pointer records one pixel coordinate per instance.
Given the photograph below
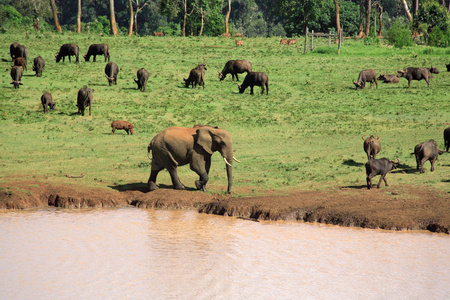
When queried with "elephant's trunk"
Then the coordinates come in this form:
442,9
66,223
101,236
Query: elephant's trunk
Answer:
228,158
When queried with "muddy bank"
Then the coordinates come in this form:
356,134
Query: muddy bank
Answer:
395,208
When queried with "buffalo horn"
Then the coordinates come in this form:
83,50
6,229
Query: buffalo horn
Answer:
363,138
401,71
226,161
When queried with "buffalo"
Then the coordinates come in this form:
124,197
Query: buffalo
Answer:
119,124
97,49
16,75
372,146
292,41
381,167
38,66
447,138
47,102
433,70
158,33
84,99
388,78
68,50
17,50
366,76
283,41
426,151
142,75
234,67
111,71
226,34
448,67
255,78
239,43
196,76
237,34
21,62
418,74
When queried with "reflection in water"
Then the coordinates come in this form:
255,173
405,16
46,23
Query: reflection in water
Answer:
153,254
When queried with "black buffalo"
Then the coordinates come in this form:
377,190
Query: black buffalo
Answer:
47,102
196,77
448,67
17,50
97,49
16,75
426,151
68,50
84,99
255,78
111,71
234,67
418,74
366,76
381,167
38,66
447,138
142,75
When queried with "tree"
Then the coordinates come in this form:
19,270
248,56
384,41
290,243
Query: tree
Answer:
138,9
227,17
55,16
368,11
338,23
112,18
79,17
408,14
298,14
130,27
361,19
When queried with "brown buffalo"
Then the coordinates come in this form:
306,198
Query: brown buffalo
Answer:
238,35
21,62
234,67
119,124
366,76
240,43
196,76
371,146
47,102
292,41
388,78
158,33
38,66
16,75
426,151
226,34
284,41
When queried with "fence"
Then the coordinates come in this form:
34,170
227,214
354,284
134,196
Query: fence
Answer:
329,35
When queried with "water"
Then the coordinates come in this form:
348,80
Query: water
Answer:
158,254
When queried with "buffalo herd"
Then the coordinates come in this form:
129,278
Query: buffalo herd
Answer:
426,151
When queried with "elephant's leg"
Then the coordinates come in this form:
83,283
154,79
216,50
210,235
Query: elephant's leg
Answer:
153,174
201,167
175,179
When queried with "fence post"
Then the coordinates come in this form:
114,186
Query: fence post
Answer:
312,40
306,40
329,38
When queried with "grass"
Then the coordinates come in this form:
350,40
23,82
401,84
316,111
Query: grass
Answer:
306,134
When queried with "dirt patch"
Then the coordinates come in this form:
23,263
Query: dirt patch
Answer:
393,208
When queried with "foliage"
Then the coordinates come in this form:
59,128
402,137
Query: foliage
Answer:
298,14
399,34
173,29
433,20
10,16
301,136
439,38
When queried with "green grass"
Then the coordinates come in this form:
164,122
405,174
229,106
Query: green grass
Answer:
306,134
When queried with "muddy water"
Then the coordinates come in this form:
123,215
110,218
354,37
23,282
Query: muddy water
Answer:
152,254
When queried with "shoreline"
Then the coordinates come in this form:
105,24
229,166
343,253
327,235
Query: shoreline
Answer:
393,208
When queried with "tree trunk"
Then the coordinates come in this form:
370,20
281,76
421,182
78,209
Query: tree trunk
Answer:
380,18
405,7
184,19
338,23
414,7
361,19
227,17
112,18
130,28
201,28
368,10
55,16
79,17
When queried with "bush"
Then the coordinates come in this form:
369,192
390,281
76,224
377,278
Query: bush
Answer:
399,35
10,16
438,38
172,30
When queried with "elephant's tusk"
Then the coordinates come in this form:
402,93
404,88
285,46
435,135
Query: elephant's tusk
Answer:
226,161
236,159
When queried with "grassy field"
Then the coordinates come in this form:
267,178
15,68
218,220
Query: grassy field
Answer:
306,134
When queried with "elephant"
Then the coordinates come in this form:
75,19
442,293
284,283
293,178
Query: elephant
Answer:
178,146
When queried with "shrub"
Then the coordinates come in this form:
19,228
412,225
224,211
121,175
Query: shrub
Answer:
399,35
172,30
10,16
438,38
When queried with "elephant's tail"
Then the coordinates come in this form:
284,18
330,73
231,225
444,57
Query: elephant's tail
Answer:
149,147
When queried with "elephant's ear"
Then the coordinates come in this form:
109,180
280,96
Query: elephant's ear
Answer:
204,139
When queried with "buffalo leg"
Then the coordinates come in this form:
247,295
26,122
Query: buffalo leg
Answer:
432,164
113,130
371,83
381,179
251,90
267,88
94,59
262,89
422,162
369,181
